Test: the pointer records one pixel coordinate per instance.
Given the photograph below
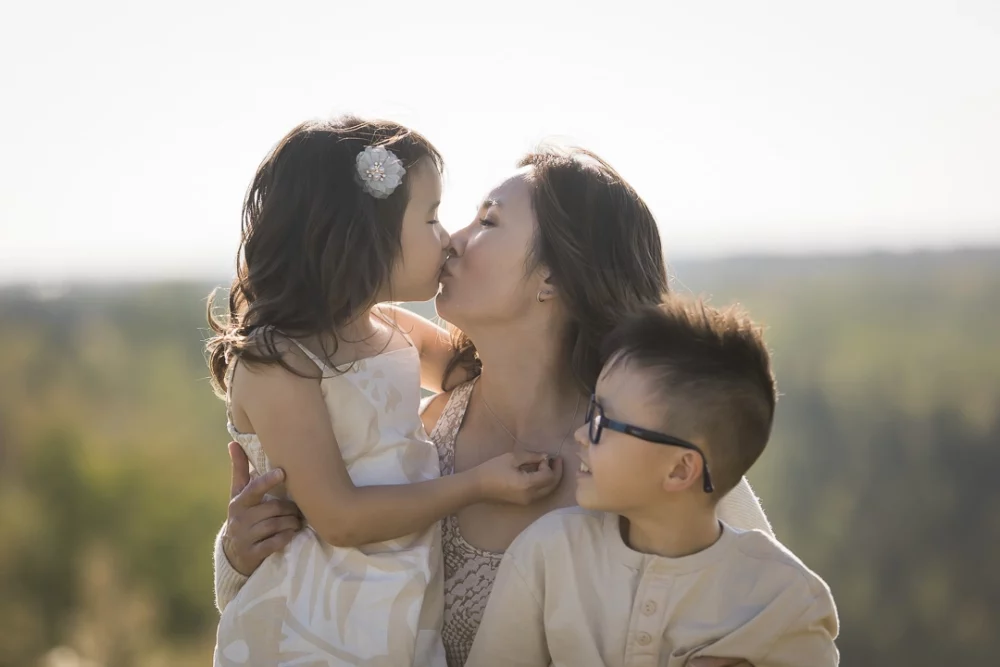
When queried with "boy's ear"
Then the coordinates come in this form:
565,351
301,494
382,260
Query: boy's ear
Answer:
683,471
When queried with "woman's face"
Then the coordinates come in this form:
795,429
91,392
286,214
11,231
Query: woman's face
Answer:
485,280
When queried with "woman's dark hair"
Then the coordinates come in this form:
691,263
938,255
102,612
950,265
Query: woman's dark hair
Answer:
599,240
315,248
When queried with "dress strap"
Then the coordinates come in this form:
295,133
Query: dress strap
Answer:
405,336
387,318
231,370
323,366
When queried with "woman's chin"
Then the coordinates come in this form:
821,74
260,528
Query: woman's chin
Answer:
427,294
441,297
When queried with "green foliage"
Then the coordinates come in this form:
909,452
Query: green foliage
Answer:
113,467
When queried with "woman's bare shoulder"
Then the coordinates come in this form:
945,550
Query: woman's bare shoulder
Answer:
431,409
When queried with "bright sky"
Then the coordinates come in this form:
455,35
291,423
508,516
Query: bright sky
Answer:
129,130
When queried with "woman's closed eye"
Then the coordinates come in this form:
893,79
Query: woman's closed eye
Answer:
486,222
433,222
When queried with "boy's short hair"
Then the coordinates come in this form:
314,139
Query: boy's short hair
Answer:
712,371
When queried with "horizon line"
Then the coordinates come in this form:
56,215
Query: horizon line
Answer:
793,256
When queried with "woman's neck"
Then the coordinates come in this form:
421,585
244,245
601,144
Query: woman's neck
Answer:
527,385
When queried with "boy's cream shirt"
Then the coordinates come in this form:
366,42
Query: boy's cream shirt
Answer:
570,593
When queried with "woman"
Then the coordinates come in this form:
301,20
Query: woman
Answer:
558,252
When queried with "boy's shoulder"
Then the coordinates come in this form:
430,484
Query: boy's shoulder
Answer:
765,551
570,530
567,517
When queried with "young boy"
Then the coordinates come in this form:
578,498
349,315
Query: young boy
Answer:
643,572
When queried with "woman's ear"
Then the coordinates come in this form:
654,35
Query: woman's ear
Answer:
548,288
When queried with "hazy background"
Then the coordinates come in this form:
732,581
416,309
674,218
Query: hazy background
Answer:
833,166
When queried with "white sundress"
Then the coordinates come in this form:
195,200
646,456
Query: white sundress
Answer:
378,605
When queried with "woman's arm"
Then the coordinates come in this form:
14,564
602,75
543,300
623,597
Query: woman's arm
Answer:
741,509
228,581
290,417
254,528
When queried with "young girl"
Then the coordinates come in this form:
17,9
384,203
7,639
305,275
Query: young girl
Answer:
324,382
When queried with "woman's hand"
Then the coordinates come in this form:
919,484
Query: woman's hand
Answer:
255,528
521,481
719,662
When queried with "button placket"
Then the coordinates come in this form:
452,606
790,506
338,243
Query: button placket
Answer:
646,626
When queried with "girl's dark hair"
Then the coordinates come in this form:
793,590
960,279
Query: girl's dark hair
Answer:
600,242
315,248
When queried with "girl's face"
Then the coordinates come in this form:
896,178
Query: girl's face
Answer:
424,242
485,280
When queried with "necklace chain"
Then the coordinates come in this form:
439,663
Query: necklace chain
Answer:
514,437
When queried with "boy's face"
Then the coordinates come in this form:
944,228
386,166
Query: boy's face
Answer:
622,473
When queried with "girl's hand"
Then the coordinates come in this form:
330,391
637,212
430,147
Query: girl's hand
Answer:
520,481
255,528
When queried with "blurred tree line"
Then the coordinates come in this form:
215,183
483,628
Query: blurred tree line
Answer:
880,474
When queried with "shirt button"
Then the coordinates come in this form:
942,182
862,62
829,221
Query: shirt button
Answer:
649,608
643,638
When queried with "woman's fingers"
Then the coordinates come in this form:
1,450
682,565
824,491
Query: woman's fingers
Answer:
248,528
268,528
276,542
253,493
268,509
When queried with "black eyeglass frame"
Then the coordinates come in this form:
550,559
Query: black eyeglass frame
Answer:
596,426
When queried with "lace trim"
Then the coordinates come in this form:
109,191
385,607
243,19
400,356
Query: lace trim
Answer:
443,436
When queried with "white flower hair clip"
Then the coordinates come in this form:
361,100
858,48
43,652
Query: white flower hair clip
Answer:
379,171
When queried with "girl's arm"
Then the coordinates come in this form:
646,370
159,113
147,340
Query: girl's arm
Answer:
290,417
433,344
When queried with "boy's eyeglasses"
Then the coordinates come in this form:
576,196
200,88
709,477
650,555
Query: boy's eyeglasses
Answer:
597,422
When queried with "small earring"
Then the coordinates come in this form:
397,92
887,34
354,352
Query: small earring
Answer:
539,296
